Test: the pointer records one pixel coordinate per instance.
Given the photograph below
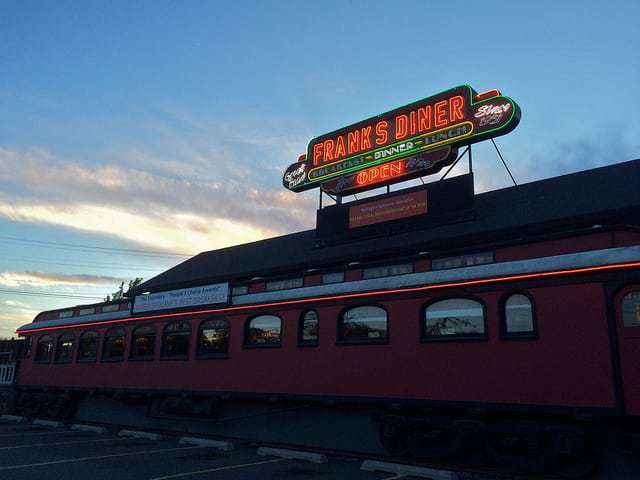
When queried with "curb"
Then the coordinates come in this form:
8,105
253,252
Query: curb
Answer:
205,442
88,428
408,470
293,454
12,418
136,434
47,423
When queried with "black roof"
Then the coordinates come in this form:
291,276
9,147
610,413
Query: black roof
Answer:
607,195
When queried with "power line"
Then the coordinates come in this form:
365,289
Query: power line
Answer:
89,264
77,246
49,294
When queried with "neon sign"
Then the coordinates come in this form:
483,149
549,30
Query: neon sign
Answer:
455,117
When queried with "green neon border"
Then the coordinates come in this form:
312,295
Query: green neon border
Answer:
387,159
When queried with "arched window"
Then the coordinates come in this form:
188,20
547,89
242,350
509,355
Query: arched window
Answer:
143,341
631,309
175,341
363,325
114,344
453,319
213,338
44,348
64,348
308,328
88,347
518,316
263,331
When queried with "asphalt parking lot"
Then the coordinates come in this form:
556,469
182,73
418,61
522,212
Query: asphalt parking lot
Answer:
31,451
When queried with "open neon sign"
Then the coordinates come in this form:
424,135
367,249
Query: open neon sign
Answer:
453,118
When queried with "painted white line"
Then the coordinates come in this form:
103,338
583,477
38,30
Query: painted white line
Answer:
88,428
47,423
97,457
293,454
12,418
85,441
408,470
137,434
218,469
206,442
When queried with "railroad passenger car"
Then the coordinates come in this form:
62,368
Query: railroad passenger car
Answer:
502,326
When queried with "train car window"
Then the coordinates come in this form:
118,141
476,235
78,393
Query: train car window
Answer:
88,347
387,270
44,349
284,284
114,344
263,331
28,344
308,328
462,261
453,319
64,348
143,341
213,338
631,309
175,341
333,277
239,290
518,316
363,325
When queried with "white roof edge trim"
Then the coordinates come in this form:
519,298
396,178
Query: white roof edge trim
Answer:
75,320
590,258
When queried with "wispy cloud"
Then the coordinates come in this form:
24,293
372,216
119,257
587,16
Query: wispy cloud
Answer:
12,320
15,304
40,279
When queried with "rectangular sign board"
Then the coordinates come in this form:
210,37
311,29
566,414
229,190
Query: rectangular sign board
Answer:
185,297
393,208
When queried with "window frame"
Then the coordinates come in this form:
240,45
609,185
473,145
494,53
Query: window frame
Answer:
163,346
105,336
245,342
301,341
98,352
424,338
50,353
341,341
57,348
142,358
213,356
504,334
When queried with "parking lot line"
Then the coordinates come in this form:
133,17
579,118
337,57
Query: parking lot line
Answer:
12,447
219,469
96,457
46,432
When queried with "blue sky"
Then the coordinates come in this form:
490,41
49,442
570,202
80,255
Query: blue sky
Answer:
165,126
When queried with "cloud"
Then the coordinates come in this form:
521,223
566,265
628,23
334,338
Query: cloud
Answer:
15,304
11,321
148,207
40,279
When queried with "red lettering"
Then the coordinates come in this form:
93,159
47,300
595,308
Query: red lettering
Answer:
353,141
384,171
382,132
328,150
340,149
317,153
396,168
455,108
412,123
361,178
365,138
424,119
441,114
401,126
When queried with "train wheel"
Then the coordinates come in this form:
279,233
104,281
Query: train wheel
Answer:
393,434
575,452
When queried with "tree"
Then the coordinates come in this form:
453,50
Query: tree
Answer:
121,293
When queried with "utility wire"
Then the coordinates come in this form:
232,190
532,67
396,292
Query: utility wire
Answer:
49,294
124,251
91,264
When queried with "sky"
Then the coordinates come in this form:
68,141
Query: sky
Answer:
136,134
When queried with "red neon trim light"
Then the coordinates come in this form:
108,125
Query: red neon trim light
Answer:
488,94
424,288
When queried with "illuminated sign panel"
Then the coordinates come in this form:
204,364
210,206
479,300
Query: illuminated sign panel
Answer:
453,118
393,208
